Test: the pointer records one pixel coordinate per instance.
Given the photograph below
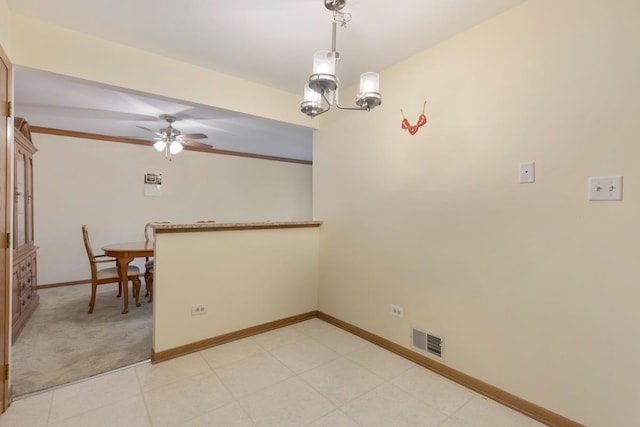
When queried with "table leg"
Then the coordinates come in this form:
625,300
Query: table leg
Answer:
123,263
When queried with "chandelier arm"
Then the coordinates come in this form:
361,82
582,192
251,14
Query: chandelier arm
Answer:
337,103
328,104
321,112
353,108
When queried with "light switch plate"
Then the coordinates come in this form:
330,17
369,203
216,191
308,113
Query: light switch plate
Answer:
527,172
607,188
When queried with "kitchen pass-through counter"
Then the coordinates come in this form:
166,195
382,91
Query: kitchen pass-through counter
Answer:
210,282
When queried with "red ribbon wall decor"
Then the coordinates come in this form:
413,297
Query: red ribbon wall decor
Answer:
422,120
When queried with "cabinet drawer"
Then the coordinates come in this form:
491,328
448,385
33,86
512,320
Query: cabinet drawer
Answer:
16,293
26,266
26,290
24,283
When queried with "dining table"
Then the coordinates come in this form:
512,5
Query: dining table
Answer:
125,253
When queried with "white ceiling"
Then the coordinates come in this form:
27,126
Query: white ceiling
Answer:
268,42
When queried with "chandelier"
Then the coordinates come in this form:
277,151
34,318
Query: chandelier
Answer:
322,90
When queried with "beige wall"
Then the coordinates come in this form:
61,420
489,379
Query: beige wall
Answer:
534,288
101,184
246,278
5,27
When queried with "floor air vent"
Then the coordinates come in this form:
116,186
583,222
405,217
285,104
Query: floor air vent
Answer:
429,344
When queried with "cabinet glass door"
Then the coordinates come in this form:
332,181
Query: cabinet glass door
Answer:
21,200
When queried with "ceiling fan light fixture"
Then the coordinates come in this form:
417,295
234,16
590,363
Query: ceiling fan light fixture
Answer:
172,141
175,147
160,146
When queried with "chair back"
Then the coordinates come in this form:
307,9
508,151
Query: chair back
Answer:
87,246
148,226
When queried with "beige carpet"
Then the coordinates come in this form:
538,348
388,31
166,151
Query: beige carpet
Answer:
61,343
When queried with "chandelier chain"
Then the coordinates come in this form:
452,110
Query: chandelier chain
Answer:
341,17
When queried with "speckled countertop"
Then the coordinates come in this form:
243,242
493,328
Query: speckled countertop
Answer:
230,226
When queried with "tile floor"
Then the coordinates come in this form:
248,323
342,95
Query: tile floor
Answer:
308,374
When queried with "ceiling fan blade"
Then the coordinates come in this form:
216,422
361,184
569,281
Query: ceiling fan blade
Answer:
195,144
152,131
193,136
142,138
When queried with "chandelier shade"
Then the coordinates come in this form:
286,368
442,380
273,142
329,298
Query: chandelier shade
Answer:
324,62
369,97
369,82
312,96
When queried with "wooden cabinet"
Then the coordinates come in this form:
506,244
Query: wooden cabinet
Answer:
25,295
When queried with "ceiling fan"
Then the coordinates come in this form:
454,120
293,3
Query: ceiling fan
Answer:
171,140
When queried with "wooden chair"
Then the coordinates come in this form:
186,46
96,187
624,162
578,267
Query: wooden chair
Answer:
107,275
148,263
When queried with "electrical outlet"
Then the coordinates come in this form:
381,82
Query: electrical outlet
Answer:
197,309
396,310
605,188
